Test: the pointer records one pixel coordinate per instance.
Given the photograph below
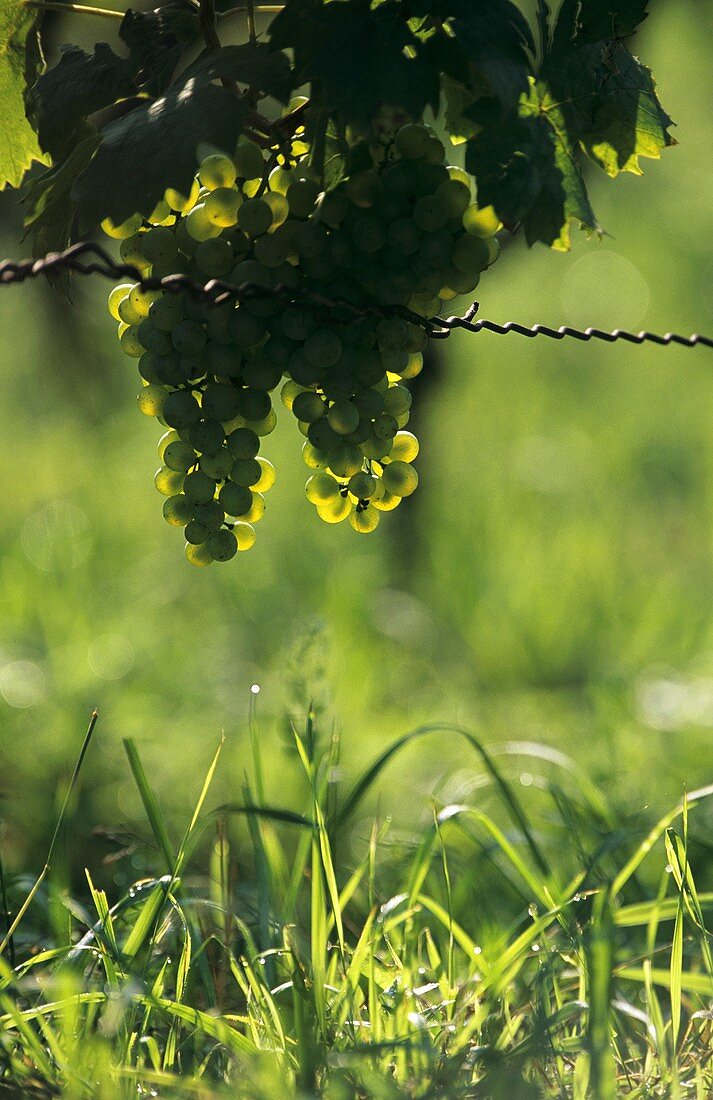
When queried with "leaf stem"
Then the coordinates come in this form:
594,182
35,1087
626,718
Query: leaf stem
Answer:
75,9
250,12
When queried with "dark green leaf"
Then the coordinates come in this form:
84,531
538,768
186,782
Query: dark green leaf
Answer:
47,197
594,20
77,86
154,147
356,58
610,103
253,64
528,172
156,40
20,59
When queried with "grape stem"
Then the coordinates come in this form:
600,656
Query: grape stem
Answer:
75,9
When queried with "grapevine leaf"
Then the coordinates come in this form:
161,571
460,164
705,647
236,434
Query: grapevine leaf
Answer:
253,64
610,103
358,58
77,86
527,170
47,196
494,38
595,20
156,40
154,147
20,60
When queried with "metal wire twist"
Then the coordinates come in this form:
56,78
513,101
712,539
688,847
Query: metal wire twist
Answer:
217,291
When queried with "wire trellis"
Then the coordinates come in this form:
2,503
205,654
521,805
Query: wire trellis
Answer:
88,258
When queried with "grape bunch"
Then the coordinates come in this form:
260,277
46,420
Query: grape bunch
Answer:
395,240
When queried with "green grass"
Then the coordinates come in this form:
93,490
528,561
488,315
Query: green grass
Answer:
314,952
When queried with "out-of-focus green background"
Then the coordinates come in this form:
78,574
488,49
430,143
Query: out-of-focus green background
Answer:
551,581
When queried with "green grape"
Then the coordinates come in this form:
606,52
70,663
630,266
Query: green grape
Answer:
266,425
335,510
244,535
224,360
248,160
364,520
413,367
246,472
400,478
308,406
397,401
250,273
142,300
364,188
214,257
245,330
333,208
180,409
456,197
152,339
161,214
296,323
385,427
130,343
199,487
256,510
435,249
369,369
222,545
217,465
196,533
375,448
459,283
345,459
403,236
481,222
405,447
235,499
209,514
222,205
301,197
412,141
362,485
243,443
159,245
322,435
309,239
128,312
368,233
470,254
343,417
303,372
315,459
198,225
168,482
206,436
179,456
170,436
386,502
191,367
178,510
267,476
280,179
182,203
493,249
124,229
152,401
130,251
289,392
116,297
254,404
280,208
323,347
166,312
255,217
369,403
272,249
220,402
260,375
198,555
216,171
322,488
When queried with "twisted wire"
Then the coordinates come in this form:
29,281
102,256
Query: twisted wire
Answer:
88,258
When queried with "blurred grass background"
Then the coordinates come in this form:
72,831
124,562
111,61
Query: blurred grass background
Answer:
551,581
